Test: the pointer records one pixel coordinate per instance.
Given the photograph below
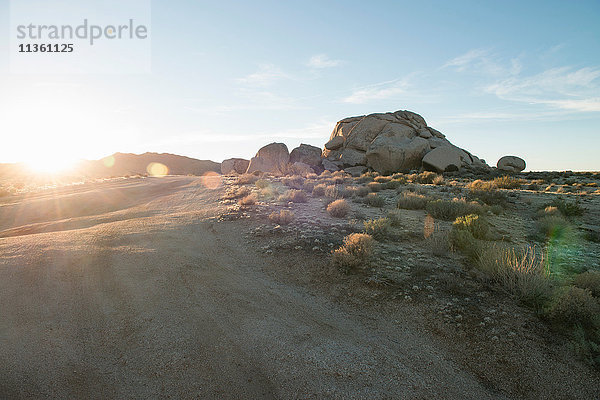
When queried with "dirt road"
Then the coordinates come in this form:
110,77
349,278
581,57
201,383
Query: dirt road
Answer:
130,289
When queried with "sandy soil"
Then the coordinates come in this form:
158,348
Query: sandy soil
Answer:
135,289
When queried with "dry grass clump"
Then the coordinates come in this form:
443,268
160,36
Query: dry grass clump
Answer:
508,182
294,196
236,193
395,218
282,217
425,177
294,182
374,200
246,179
268,193
249,200
393,184
438,180
374,186
568,209
366,177
589,280
477,225
338,208
489,197
523,271
308,186
451,209
332,191
378,228
438,243
354,252
325,174
554,226
348,191
575,306
382,179
480,185
319,190
362,191
412,201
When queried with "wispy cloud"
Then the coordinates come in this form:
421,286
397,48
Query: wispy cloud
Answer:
322,61
564,87
483,61
266,75
461,62
377,91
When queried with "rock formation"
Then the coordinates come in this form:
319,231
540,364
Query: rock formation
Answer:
234,165
307,154
393,142
272,158
511,164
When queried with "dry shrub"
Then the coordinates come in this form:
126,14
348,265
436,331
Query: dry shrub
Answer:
249,200
393,184
383,179
425,177
332,192
308,186
354,252
450,210
378,228
438,243
554,226
374,200
575,306
566,208
589,280
325,174
479,185
412,201
362,191
508,182
294,196
438,180
319,190
294,182
246,179
477,225
236,193
395,218
523,271
269,193
262,183
366,177
282,217
374,186
338,208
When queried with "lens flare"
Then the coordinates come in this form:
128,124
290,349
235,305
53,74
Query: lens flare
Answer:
157,169
108,161
211,180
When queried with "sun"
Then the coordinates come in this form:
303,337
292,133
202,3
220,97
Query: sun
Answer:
51,164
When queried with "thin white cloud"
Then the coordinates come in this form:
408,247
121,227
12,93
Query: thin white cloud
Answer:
322,61
378,91
564,87
483,61
264,76
461,62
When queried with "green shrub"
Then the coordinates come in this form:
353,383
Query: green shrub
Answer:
319,190
294,182
477,225
338,208
393,184
282,217
412,201
378,228
269,193
450,210
589,280
462,240
553,226
354,252
575,306
294,196
374,200
489,197
568,209
438,243
262,183
246,179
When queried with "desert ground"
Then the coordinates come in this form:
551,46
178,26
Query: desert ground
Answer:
189,287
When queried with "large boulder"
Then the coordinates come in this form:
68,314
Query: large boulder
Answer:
307,154
391,142
445,158
300,168
234,165
511,164
272,158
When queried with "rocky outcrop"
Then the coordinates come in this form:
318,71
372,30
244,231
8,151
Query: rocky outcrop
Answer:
234,165
307,154
272,158
511,164
393,142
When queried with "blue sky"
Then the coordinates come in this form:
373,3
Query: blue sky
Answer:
510,77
